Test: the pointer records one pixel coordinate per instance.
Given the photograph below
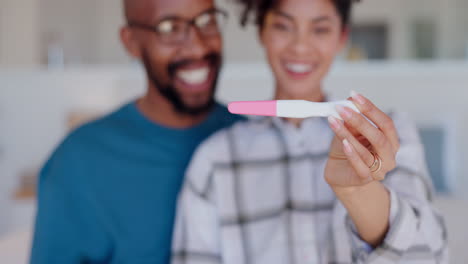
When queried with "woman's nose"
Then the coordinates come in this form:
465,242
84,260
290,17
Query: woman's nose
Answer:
301,43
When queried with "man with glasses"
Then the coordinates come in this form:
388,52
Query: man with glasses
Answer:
108,193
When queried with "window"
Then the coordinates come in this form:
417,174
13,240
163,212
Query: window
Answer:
371,40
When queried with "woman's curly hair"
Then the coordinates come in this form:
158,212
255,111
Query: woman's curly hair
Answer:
259,9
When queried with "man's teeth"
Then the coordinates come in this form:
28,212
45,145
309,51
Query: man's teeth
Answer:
193,77
298,67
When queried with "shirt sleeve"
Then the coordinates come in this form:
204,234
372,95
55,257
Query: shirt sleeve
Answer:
417,233
65,231
197,228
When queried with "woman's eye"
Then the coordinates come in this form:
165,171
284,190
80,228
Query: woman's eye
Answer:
280,26
322,30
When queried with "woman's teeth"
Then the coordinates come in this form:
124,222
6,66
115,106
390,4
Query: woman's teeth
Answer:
194,77
298,67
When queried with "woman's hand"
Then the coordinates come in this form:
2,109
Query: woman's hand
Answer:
360,152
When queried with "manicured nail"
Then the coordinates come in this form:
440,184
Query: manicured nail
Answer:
334,122
347,147
358,97
343,112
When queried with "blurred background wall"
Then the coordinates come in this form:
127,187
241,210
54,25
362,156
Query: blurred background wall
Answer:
61,63
86,31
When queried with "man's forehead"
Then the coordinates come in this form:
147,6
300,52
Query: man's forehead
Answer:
150,11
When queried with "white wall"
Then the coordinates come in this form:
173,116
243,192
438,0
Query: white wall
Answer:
75,24
110,19
19,32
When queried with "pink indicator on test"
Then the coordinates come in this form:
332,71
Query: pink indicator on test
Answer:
262,108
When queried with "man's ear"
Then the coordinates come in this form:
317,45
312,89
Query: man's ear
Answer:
130,42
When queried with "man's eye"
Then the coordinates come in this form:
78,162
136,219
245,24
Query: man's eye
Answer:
167,27
205,20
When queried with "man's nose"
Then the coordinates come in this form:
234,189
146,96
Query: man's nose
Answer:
195,44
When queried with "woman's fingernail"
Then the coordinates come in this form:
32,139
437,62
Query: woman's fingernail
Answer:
358,97
347,147
334,122
343,112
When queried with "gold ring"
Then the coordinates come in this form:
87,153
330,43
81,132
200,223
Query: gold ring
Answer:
377,164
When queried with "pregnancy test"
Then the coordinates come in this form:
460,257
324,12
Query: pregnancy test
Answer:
289,108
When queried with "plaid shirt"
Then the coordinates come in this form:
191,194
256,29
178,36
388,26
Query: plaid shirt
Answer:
255,193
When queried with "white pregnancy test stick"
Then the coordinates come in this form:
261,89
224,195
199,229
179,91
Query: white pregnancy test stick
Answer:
289,108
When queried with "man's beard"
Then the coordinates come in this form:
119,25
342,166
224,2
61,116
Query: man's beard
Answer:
170,92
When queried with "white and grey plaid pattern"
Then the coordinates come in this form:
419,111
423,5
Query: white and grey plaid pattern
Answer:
255,194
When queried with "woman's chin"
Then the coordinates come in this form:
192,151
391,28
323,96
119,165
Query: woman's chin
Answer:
293,91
